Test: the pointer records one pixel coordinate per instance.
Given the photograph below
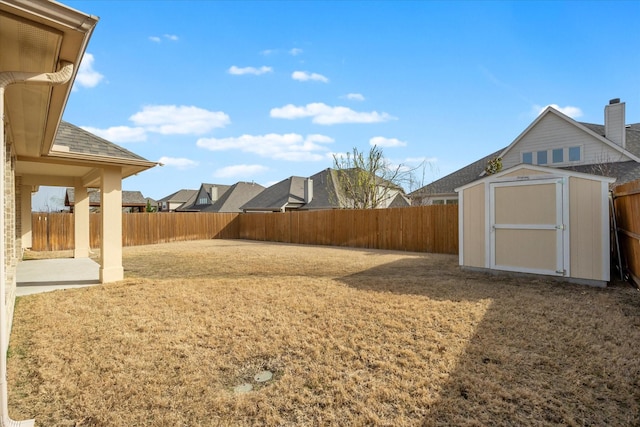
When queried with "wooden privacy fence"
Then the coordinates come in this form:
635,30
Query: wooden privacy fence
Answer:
420,229
55,231
626,198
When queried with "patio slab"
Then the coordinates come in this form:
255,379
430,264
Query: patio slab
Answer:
45,275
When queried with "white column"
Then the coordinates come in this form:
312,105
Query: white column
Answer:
25,216
81,221
111,226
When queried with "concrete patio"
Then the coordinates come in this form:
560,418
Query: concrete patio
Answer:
45,275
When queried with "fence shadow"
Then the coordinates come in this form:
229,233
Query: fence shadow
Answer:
536,357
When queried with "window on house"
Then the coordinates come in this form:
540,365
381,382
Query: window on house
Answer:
542,157
438,202
558,155
452,202
527,158
574,154
203,201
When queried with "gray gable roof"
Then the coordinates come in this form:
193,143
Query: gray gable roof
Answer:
206,190
236,196
129,198
180,196
464,176
78,140
287,192
622,171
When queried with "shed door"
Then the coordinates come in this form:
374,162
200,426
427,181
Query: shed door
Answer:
527,231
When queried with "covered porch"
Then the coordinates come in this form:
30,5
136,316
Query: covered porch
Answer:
82,161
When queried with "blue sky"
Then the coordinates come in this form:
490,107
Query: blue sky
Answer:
227,91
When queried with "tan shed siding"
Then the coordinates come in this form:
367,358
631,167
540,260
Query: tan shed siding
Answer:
585,207
474,226
512,208
553,132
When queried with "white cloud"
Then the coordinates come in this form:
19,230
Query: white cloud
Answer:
268,52
326,115
87,76
354,96
239,171
170,37
295,51
381,141
304,76
178,162
237,71
573,112
291,146
119,134
182,120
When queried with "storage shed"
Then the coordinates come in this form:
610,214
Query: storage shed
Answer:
539,220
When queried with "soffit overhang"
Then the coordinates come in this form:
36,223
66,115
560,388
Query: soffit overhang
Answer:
36,35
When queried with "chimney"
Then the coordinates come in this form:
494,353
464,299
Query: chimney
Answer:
214,193
614,129
308,190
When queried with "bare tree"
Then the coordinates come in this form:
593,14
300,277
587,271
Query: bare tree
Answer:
368,180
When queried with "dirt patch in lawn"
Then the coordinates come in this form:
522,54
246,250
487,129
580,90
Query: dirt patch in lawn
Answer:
351,337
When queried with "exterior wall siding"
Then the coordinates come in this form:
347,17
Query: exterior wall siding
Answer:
474,226
553,132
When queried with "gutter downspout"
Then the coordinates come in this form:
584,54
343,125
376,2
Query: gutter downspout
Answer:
7,78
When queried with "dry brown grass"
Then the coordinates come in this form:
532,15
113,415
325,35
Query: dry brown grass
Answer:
354,337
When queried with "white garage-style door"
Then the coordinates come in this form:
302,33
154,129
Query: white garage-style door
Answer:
528,231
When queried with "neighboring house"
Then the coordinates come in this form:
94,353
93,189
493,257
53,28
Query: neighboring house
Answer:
319,191
556,140
236,196
42,45
132,201
205,197
175,200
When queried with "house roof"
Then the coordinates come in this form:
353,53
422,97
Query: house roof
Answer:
78,153
622,171
235,196
288,192
465,175
180,196
196,206
129,198
78,140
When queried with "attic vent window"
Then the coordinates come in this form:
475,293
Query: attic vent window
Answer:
574,154
558,155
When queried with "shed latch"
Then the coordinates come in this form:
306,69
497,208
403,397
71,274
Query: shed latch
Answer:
560,227
561,272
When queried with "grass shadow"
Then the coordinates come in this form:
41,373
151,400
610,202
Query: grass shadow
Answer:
544,353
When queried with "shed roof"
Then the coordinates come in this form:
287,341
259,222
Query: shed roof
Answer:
547,172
